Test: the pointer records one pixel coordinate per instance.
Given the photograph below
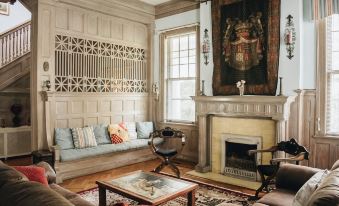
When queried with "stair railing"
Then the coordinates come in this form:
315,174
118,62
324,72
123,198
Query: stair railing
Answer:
15,43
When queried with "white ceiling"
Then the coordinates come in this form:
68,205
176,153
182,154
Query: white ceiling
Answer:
154,2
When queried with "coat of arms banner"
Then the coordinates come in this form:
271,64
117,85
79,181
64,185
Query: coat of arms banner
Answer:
246,39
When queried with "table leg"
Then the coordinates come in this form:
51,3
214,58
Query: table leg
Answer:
102,196
191,198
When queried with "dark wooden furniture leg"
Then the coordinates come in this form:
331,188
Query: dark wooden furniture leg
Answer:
191,198
174,169
102,196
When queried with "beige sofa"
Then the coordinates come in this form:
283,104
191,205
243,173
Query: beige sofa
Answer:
15,189
290,178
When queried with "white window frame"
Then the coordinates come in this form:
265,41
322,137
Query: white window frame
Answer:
323,74
164,70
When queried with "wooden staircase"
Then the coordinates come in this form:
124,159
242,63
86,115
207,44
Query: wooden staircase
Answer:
15,61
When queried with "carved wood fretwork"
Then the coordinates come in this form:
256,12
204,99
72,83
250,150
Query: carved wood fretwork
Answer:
84,65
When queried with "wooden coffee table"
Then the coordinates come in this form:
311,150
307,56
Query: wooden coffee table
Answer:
147,188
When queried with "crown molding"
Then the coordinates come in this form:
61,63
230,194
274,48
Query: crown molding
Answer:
174,7
127,9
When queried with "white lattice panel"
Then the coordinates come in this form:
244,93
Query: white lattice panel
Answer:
84,65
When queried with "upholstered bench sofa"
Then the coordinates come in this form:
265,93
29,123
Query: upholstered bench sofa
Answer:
72,162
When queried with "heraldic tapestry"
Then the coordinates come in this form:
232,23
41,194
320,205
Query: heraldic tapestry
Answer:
246,38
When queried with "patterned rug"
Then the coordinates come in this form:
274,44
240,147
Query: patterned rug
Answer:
205,196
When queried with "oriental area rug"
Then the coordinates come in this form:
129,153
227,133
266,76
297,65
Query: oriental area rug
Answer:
205,196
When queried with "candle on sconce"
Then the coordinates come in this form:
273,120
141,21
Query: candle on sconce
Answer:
280,87
202,92
289,37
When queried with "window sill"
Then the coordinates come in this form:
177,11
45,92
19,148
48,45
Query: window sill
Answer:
178,123
326,137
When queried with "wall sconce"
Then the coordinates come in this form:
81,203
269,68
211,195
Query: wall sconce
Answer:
46,84
206,47
289,36
155,90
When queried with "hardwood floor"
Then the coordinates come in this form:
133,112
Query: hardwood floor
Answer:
88,182
22,160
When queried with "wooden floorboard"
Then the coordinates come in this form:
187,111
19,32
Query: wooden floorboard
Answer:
88,182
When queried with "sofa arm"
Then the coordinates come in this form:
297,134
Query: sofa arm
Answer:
293,177
50,174
56,152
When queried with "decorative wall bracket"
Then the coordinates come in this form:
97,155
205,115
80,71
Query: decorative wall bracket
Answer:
290,36
206,47
155,90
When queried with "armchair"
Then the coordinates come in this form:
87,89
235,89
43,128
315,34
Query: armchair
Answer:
268,172
169,149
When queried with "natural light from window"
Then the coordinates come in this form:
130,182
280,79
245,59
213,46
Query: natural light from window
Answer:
181,74
332,113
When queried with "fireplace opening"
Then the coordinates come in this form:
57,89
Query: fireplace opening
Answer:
235,160
237,156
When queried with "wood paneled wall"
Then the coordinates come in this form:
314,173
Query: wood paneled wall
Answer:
84,23
117,22
190,150
302,125
67,110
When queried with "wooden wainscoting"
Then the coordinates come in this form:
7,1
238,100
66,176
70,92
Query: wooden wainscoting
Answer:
190,151
67,110
302,125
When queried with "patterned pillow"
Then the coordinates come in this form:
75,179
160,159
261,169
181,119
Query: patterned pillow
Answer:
119,131
83,137
115,139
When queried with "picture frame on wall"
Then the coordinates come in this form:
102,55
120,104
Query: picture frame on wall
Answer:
4,9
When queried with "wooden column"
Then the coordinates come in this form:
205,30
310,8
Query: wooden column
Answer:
204,145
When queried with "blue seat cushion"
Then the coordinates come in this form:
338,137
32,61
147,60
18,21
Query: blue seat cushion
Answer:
75,154
63,138
101,134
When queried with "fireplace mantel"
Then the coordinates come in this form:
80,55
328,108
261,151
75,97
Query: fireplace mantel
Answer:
276,108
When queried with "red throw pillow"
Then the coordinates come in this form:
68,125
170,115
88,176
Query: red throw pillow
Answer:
115,139
33,173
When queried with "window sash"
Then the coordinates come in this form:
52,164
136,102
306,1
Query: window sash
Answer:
183,58
332,81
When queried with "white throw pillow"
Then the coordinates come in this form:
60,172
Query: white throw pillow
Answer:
132,130
305,192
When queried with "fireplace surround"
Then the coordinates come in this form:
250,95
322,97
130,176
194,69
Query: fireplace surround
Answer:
276,108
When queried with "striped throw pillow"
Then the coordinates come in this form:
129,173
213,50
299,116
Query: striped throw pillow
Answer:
83,137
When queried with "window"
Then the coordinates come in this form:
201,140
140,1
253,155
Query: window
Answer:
332,75
180,77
